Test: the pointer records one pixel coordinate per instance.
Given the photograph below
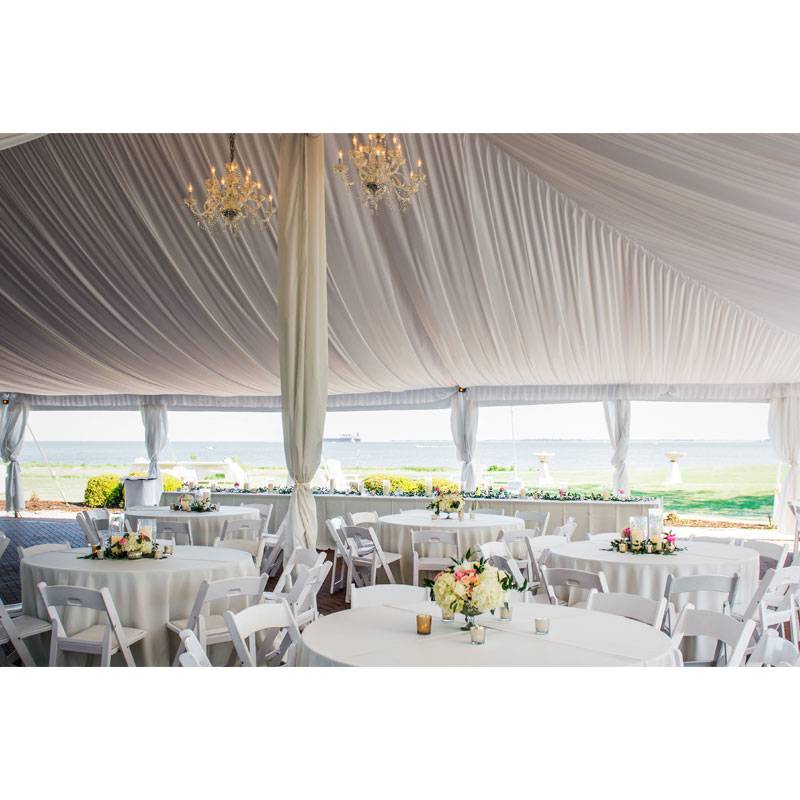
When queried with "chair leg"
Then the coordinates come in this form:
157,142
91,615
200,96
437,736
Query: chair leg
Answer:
333,572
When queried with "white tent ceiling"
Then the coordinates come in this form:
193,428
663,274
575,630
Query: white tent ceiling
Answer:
538,267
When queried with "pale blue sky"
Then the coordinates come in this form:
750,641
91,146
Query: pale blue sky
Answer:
716,421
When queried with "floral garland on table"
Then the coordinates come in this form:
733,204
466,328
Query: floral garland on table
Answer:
188,502
446,503
129,546
471,587
655,544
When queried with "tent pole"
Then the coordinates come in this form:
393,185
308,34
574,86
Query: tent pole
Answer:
514,442
49,468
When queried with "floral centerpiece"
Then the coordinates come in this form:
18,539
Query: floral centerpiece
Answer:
446,503
471,587
129,546
188,502
637,543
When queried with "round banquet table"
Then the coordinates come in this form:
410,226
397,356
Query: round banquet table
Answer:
206,525
646,575
147,593
385,636
394,532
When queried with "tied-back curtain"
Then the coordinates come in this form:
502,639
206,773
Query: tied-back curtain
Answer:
784,433
464,426
12,432
302,323
618,422
154,418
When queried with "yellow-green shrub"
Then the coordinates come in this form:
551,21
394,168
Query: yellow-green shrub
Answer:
103,491
401,483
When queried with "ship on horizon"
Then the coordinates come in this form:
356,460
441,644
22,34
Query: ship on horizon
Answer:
343,437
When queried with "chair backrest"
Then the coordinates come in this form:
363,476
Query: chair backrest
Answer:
334,526
193,654
383,594
772,650
770,554
509,566
179,531
90,533
360,539
301,560
4,542
8,628
244,626
567,530
499,548
537,520
683,584
784,586
99,600
732,540
362,518
99,517
264,511
35,549
302,597
537,561
247,529
517,536
632,606
732,634
554,577
439,537
495,512
227,589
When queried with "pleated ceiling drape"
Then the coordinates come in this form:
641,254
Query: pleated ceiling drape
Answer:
302,323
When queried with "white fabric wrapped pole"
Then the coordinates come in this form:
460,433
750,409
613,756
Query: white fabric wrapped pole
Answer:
12,432
464,425
302,324
618,422
154,418
784,433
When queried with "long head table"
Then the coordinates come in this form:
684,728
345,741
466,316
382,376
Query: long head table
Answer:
591,516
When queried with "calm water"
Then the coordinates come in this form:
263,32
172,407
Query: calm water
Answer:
570,454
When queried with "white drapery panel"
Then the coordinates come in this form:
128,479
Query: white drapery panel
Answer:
618,423
784,433
302,324
156,433
464,427
12,432
506,271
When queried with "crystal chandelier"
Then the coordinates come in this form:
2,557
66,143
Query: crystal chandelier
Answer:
231,199
380,173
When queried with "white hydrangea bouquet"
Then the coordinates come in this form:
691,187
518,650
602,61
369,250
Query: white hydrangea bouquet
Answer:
470,588
447,503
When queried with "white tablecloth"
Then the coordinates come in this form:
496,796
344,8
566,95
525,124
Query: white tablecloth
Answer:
147,592
395,533
386,637
206,525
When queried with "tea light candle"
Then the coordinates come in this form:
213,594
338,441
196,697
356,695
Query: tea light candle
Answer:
505,611
542,625
101,554
246,486
424,624
270,486
648,546
477,634
448,615
461,513
623,546
637,536
386,486
428,485
157,553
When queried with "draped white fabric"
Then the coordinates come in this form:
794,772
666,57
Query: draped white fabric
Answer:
542,265
464,426
12,432
302,324
154,418
618,422
784,433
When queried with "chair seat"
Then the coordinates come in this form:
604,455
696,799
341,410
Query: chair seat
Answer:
95,634
26,626
214,625
248,545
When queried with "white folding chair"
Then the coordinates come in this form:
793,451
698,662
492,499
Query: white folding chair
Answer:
264,511
776,602
180,532
14,629
104,639
301,559
362,519
274,543
770,554
686,584
35,549
537,561
384,594
498,548
433,563
632,606
535,520
732,635
272,620
193,654
210,628
340,551
513,540
495,512
567,530
302,595
554,578
244,534
773,651
100,517
509,566
4,542
366,552
90,533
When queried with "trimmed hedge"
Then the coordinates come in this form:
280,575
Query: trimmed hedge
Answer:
106,491
401,483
